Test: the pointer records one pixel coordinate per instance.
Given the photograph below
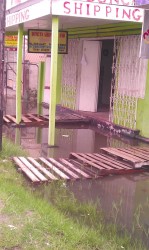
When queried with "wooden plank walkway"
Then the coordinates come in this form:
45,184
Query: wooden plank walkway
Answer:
85,166
137,157
30,120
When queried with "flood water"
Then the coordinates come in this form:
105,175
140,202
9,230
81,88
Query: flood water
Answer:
123,199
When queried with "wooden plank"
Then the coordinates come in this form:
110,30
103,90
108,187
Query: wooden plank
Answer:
136,153
92,171
33,169
86,161
114,163
42,169
99,158
55,169
56,163
46,117
11,118
146,149
25,119
35,118
116,152
79,171
141,150
6,119
100,164
26,171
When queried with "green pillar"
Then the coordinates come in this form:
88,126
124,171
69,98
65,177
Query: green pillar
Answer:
143,111
39,135
17,136
40,87
19,75
59,80
53,80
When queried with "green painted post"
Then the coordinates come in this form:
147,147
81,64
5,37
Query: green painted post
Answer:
19,75
59,79
17,136
53,80
40,87
39,135
143,112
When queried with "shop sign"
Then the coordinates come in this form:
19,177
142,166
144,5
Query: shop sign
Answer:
144,47
39,41
11,42
12,3
30,13
115,2
96,10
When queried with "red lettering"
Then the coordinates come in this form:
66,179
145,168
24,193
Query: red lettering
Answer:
108,10
17,17
135,16
125,3
47,34
27,14
88,12
62,35
78,8
126,14
117,9
66,7
22,16
117,2
102,1
145,34
96,9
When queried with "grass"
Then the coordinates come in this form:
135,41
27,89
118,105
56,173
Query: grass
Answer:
28,220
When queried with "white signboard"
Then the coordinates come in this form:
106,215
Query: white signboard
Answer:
96,10
12,3
144,47
115,2
30,13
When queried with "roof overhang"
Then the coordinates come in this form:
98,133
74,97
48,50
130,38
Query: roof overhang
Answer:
37,14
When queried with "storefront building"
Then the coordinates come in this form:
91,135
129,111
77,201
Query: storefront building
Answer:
102,69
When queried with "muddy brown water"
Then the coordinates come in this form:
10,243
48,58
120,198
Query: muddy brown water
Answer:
123,199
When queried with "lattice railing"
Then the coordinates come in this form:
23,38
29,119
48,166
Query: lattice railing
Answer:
69,76
128,81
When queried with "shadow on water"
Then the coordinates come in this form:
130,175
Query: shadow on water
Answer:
124,199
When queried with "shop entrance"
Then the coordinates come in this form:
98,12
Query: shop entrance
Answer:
105,76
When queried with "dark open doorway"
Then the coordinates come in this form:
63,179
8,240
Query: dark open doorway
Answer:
105,75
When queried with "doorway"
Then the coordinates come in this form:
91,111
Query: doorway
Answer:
88,92
104,91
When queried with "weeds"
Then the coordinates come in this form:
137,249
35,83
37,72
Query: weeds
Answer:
49,217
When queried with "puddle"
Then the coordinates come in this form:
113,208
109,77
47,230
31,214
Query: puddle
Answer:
123,199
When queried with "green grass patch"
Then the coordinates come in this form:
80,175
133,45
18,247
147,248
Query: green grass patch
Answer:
49,217
9,149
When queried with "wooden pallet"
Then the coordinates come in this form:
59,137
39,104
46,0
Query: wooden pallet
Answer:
137,157
48,169
104,165
78,166
43,120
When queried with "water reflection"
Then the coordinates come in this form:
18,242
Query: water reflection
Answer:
124,199
71,139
